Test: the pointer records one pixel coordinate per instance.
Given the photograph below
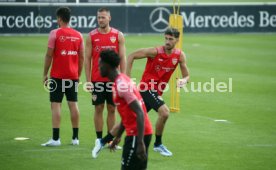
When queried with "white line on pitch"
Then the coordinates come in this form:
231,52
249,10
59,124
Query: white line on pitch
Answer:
262,145
52,150
212,119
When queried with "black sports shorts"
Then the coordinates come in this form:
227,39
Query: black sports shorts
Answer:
152,100
59,87
101,92
130,161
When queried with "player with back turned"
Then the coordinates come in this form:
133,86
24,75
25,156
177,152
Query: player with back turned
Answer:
65,55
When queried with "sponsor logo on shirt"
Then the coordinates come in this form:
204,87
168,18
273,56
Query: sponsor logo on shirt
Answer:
72,53
160,59
96,40
63,52
113,39
62,38
157,68
168,69
97,48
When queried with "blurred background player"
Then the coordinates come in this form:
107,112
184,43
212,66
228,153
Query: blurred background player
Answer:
101,38
134,117
161,63
65,55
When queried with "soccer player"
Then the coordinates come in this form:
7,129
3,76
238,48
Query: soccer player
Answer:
134,117
101,38
161,63
65,54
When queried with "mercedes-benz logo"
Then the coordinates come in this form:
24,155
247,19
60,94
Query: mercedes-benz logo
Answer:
159,19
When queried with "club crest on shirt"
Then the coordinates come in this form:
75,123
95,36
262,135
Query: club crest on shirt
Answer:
94,97
113,39
174,61
62,38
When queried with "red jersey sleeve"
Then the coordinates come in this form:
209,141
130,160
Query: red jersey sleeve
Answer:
125,91
52,39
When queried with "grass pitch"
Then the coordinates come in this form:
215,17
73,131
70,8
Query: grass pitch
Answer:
246,141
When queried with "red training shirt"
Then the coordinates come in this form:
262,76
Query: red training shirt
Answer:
101,42
67,44
159,70
125,92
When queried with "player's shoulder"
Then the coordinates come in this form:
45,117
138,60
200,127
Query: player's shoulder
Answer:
160,49
177,51
114,30
54,31
93,32
121,78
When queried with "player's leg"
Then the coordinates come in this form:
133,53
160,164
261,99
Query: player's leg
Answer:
153,100
98,100
163,115
111,117
72,100
98,120
56,96
74,110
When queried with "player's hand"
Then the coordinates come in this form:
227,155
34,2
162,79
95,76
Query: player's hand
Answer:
89,86
114,143
181,82
141,151
44,81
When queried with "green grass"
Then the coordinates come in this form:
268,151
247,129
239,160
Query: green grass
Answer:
199,1
246,142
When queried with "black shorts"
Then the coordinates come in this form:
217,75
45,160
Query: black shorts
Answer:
101,92
70,89
152,100
130,161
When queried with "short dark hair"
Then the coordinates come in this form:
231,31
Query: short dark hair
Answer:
110,57
64,13
104,9
172,32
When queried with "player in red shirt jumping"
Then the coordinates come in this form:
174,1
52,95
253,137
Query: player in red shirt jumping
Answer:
65,55
99,39
161,63
134,117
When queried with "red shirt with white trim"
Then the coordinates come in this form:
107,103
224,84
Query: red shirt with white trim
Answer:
67,44
101,42
159,70
125,92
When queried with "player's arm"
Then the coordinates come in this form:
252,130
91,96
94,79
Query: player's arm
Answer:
122,52
88,59
118,134
184,71
81,58
47,63
141,149
139,54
